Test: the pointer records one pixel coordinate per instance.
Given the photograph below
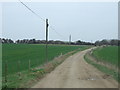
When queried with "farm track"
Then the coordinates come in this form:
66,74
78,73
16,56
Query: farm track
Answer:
75,72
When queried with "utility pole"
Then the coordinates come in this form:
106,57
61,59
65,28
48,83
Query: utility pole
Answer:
47,40
69,39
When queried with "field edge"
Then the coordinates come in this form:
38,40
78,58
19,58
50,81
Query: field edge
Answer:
102,68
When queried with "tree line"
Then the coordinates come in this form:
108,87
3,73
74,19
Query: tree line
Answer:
34,41
108,42
79,42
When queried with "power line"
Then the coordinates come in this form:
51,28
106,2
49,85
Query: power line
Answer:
40,18
31,10
56,32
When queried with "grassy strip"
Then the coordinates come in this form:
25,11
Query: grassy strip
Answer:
26,79
104,69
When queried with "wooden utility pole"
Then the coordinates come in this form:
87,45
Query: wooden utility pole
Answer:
47,40
70,39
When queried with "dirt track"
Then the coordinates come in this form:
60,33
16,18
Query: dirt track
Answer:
74,72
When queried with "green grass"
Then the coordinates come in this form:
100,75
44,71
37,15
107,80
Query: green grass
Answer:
104,69
107,54
30,78
12,53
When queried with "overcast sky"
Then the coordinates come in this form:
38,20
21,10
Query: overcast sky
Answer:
83,20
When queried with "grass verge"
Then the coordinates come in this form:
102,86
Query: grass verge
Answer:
104,69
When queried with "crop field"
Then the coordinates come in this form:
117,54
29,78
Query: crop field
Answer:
108,54
19,55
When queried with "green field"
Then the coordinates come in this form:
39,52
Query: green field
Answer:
17,56
104,69
107,54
